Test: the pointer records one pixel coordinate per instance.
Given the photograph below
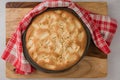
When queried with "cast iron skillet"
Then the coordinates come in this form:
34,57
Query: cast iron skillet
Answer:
35,65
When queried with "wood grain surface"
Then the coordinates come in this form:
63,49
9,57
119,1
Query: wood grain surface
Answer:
94,64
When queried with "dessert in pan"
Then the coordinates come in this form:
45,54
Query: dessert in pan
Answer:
55,40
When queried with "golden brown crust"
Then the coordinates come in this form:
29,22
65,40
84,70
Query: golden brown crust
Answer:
56,40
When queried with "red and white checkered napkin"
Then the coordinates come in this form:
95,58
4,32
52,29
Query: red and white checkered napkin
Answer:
102,29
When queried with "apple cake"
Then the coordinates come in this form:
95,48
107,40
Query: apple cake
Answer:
56,39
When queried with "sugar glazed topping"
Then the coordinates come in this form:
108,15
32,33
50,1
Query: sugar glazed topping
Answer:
56,40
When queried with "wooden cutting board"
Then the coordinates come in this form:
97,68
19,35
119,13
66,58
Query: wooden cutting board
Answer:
93,65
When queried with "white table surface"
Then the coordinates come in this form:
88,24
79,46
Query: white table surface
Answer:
113,57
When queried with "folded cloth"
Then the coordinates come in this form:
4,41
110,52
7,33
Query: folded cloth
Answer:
102,29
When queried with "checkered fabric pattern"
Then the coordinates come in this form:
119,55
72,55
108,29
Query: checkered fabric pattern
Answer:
102,29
